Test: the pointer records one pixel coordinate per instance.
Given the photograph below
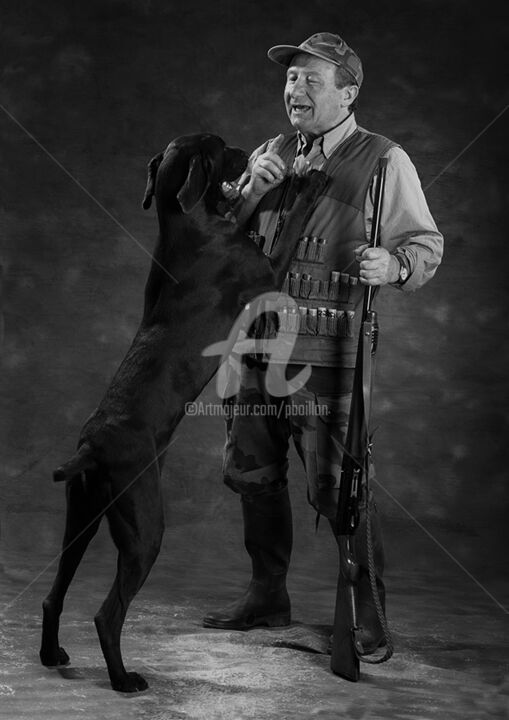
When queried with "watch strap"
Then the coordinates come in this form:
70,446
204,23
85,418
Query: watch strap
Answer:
404,268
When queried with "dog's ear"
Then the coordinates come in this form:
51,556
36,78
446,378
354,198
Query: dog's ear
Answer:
196,184
153,167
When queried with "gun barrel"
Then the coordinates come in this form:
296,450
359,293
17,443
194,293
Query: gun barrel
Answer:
374,240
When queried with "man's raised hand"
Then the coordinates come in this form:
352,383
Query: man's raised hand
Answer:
268,171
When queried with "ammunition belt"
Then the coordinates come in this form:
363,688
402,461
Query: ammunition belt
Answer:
337,288
328,307
331,322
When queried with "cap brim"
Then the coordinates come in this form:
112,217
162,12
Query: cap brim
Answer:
282,54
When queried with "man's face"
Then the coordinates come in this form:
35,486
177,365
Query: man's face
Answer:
313,102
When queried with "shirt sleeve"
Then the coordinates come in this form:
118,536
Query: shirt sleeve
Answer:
406,224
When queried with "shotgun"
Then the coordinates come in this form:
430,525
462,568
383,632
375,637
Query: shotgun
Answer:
346,644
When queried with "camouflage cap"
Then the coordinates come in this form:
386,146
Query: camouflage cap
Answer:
323,45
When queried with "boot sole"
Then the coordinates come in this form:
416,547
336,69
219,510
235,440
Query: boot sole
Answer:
276,620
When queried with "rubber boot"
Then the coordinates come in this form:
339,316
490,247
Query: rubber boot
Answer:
268,541
372,634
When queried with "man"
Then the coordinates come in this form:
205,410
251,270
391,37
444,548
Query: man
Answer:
327,278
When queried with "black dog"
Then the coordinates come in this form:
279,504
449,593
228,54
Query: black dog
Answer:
205,269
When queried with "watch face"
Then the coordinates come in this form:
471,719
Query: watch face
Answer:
403,274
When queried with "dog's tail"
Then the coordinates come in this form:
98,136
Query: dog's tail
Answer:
82,460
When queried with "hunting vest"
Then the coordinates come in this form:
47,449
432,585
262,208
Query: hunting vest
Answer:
323,275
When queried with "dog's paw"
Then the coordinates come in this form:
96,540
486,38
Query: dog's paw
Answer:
52,659
132,682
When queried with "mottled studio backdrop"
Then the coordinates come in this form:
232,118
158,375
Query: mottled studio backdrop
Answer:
94,89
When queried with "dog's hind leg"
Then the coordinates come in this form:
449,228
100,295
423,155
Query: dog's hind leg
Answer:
136,523
83,519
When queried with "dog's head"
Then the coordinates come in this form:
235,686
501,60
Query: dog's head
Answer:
193,168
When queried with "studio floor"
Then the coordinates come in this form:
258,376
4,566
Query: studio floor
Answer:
451,657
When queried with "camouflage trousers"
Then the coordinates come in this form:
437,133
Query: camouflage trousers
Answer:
258,431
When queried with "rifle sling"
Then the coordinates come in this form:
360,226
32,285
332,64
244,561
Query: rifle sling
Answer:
367,374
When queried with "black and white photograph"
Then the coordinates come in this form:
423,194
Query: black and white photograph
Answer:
253,360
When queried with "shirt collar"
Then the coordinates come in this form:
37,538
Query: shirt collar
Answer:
331,139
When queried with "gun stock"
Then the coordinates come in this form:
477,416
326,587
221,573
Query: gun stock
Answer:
344,659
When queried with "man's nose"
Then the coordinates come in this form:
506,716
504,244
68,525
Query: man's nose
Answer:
296,95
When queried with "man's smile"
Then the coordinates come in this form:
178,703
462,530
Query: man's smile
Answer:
299,109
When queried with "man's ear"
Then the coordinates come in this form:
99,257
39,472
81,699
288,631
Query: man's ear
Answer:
350,93
195,186
153,167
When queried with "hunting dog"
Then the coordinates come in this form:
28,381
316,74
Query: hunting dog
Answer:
205,268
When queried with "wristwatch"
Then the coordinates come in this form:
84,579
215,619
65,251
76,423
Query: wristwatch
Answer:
404,270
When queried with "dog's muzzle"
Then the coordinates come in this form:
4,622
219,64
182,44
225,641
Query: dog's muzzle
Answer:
234,163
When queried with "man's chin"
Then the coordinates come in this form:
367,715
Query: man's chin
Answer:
298,123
